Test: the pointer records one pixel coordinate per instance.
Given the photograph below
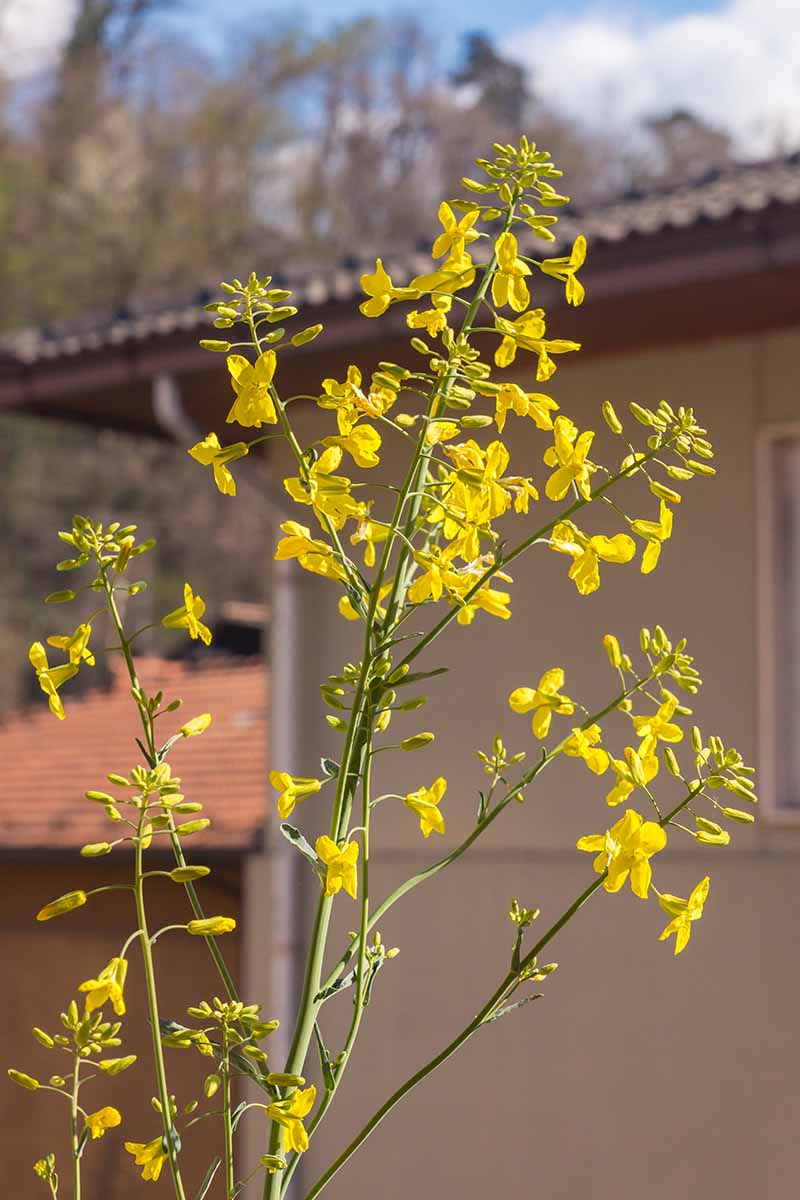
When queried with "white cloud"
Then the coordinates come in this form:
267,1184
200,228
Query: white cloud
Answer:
737,67
31,34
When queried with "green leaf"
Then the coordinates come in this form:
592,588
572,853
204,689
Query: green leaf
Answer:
501,1012
416,676
324,1061
208,1179
338,985
299,842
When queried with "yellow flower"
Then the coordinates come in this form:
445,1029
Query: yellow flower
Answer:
524,404
188,617
425,803
211,926
626,849
455,234
371,532
508,282
583,744
253,405
289,1115
432,320
381,291
346,398
209,453
659,727
683,913
196,726
328,494
645,767
587,551
565,268
568,455
527,333
105,1118
341,864
50,678
292,790
455,273
77,646
544,700
151,1156
362,444
313,555
438,572
486,599
656,533
109,985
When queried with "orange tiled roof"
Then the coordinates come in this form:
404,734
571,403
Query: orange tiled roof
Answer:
48,764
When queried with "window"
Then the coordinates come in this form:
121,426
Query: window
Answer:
779,601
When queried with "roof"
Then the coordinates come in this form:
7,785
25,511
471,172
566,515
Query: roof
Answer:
48,764
743,190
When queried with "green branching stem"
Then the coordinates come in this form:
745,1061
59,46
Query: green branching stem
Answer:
513,793
227,1122
480,1018
153,1014
149,737
75,1130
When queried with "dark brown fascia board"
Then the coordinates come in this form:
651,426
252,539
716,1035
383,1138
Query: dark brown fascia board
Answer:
641,268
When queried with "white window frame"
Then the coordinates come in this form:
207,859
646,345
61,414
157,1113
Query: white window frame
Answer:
767,649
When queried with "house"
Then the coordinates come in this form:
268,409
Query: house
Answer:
636,1070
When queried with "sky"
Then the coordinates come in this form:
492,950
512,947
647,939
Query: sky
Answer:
736,63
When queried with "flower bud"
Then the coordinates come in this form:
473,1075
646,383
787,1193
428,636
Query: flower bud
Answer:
416,741
281,1079
96,849
196,726
192,826
64,904
187,874
610,417
43,1037
736,814
60,597
114,1066
216,346
211,926
612,650
306,335
211,1086
25,1081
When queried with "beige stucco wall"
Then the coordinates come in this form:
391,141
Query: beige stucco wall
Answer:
637,1073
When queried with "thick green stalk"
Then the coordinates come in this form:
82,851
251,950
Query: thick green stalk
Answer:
153,1014
75,1131
230,1177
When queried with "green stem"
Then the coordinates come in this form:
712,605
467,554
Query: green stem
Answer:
479,1019
358,996
230,1178
75,1131
155,1027
149,733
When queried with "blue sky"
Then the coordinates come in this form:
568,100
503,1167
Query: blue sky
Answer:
499,17
607,64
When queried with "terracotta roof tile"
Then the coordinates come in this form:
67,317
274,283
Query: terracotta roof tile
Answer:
48,764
